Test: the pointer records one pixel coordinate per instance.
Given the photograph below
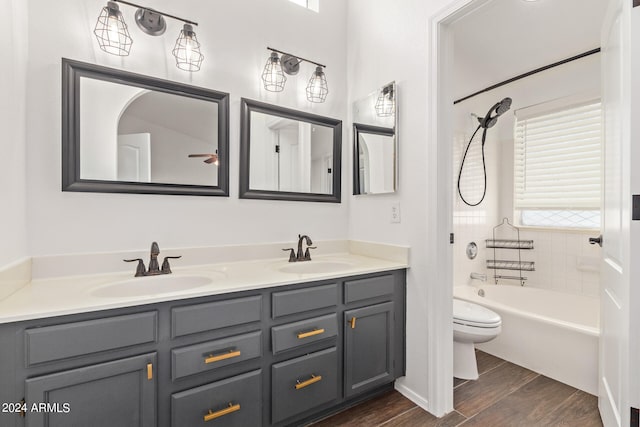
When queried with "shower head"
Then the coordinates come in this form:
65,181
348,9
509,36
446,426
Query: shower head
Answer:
496,111
503,106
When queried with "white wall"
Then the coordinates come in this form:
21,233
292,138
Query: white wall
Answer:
390,41
564,260
234,35
13,86
102,104
170,149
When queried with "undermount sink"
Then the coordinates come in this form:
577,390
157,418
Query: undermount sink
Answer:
315,267
151,285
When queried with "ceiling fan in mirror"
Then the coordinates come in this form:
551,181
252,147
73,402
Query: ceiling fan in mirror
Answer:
211,158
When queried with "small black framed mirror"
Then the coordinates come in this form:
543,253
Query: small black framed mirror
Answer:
287,154
128,133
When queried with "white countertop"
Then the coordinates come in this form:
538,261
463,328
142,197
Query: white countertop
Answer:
75,294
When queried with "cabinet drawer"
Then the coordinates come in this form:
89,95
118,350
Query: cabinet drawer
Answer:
79,338
303,383
215,354
303,332
371,287
300,300
233,402
205,317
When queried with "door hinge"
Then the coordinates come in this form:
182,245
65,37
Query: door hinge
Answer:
277,148
635,417
451,238
635,207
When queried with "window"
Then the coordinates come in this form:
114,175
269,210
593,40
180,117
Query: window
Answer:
309,4
558,165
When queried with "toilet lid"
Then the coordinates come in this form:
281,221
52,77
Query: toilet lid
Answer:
471,314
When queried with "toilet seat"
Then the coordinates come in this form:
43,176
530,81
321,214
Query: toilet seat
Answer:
474,315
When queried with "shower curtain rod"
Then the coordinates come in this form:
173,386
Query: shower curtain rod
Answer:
530,73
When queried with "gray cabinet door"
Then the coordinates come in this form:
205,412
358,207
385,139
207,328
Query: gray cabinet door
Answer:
119,393
369,344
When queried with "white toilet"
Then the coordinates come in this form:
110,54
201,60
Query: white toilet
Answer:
472,323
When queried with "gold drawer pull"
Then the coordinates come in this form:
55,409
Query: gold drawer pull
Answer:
353,323
213,415
310,333
149,371
223,356
303,384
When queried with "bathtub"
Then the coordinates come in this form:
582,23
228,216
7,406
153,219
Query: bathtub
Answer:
552,333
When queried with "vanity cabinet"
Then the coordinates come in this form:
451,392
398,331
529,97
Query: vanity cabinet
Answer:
117,393
368,347
278,356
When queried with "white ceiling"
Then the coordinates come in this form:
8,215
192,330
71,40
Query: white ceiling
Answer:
190,116
505,38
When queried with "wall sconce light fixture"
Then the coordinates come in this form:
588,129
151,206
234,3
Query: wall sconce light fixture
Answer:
386,102
274,78
114,38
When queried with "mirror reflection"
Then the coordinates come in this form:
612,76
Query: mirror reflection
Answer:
375,142
133,134
288,154
376,159
125,132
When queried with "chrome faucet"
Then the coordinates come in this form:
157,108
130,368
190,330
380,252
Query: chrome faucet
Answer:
479,276
300,255
154,269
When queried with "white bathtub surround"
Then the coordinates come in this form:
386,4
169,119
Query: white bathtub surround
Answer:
57,295
14,276
553,333
565,261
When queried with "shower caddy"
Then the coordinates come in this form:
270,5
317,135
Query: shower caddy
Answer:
509,244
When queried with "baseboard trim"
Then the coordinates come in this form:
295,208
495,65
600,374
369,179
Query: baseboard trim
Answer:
413,396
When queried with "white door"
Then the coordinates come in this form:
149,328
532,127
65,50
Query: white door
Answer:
134,157
616,273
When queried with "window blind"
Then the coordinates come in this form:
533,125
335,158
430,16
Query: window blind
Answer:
558,159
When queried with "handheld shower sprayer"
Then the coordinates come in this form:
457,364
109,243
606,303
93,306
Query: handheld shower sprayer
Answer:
491,118
486,122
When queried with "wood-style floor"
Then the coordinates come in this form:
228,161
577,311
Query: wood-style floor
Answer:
505,395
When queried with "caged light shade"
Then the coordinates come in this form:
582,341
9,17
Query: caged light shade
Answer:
111,31
273,77
187,50
386,103
317,89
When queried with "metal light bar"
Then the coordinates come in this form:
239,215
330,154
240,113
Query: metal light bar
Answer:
158,12
295,56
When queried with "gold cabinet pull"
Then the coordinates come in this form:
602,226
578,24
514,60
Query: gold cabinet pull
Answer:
223,356
310,333
312,380
149,371
353,323
213,415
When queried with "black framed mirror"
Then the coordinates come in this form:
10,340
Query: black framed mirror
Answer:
287,154
128,133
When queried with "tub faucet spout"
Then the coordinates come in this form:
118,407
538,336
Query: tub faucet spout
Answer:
479,276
